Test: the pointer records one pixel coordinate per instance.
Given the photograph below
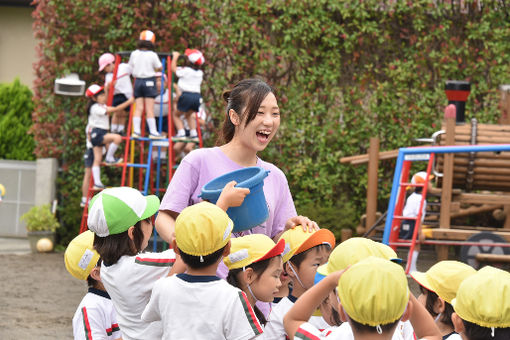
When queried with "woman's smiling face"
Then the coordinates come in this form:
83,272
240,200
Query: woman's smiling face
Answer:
257,134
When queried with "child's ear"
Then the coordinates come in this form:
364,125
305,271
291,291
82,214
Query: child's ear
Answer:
95,273
439,306
175,248
226,250
342,313
458,325
286,268
407,312
131,231
234,117
249,275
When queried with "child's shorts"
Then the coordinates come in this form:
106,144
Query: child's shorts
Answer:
97,136
88,158
145,88
189,101
119,99
407,229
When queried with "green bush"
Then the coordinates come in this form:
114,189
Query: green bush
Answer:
16,109
345,71
40,218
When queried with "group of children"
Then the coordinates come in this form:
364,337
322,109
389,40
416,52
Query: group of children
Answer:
356,290
145,66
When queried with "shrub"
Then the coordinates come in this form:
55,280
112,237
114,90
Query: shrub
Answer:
345,70
16,109
40,218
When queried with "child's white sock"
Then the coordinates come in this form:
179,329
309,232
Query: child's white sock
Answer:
120,128
137,121
83,199
152,126
111,151
181,133
96,175
413,261
114,128
193,133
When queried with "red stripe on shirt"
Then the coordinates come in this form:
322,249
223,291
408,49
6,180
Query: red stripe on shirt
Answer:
86,324
252,313
307,335
150,260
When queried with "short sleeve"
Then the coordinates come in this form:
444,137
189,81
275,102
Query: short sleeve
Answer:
182,72
240,320
156,63
151,312
285,208
308,332
108,78
153,266
98,109
92,325
182,186
131,61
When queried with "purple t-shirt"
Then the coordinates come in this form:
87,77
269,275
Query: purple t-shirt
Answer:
202,165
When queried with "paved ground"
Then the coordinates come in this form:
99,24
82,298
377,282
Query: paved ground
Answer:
14,246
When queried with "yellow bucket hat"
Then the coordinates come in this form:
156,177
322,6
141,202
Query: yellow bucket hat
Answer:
202,229
444,278
374,291
297,240
252,248
80,256
484,298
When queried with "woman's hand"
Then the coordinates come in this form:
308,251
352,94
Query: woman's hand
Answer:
305,222
231,196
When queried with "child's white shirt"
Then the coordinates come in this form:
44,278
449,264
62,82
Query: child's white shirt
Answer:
453,336
123,83
129,283
98,117
201,307
274,328
412,206
161,101
189,79
95,317
144,63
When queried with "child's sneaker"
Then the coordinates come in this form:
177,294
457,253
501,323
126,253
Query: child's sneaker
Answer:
114,161
179,137
156,136
98,186
194,139
135,135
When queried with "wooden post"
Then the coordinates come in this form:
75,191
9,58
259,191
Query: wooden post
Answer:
446,192
373,166
504,104
506,209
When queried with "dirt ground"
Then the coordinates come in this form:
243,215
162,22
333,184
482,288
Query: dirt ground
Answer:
38,297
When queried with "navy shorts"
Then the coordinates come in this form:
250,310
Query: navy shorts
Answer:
97,136
88,158
189,101
145,88
119,99
407,229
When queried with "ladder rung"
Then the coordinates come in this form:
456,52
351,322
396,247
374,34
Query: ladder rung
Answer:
404,218
405,184
137,165
184,140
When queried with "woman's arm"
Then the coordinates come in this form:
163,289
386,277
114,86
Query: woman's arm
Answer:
307,303
165,225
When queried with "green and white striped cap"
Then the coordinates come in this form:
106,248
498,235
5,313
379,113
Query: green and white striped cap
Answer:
114,210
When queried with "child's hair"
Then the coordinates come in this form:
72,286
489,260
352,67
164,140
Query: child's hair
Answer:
298,258
418,190
91,282
113,247
258,268
197,262
475,332
446,316
361,328
145,44
246,95
93,100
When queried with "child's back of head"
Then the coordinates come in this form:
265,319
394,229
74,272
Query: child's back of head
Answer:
80,257
482,305
374,295
202,231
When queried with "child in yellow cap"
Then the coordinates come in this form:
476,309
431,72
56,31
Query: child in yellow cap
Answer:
482,306
438,287
255,265
95,317
198,304
305,252
355,250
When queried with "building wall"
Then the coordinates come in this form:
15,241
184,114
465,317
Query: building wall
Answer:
17,45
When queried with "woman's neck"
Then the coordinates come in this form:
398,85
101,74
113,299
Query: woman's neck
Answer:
239,154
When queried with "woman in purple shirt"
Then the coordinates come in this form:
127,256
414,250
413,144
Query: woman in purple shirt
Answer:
251,121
